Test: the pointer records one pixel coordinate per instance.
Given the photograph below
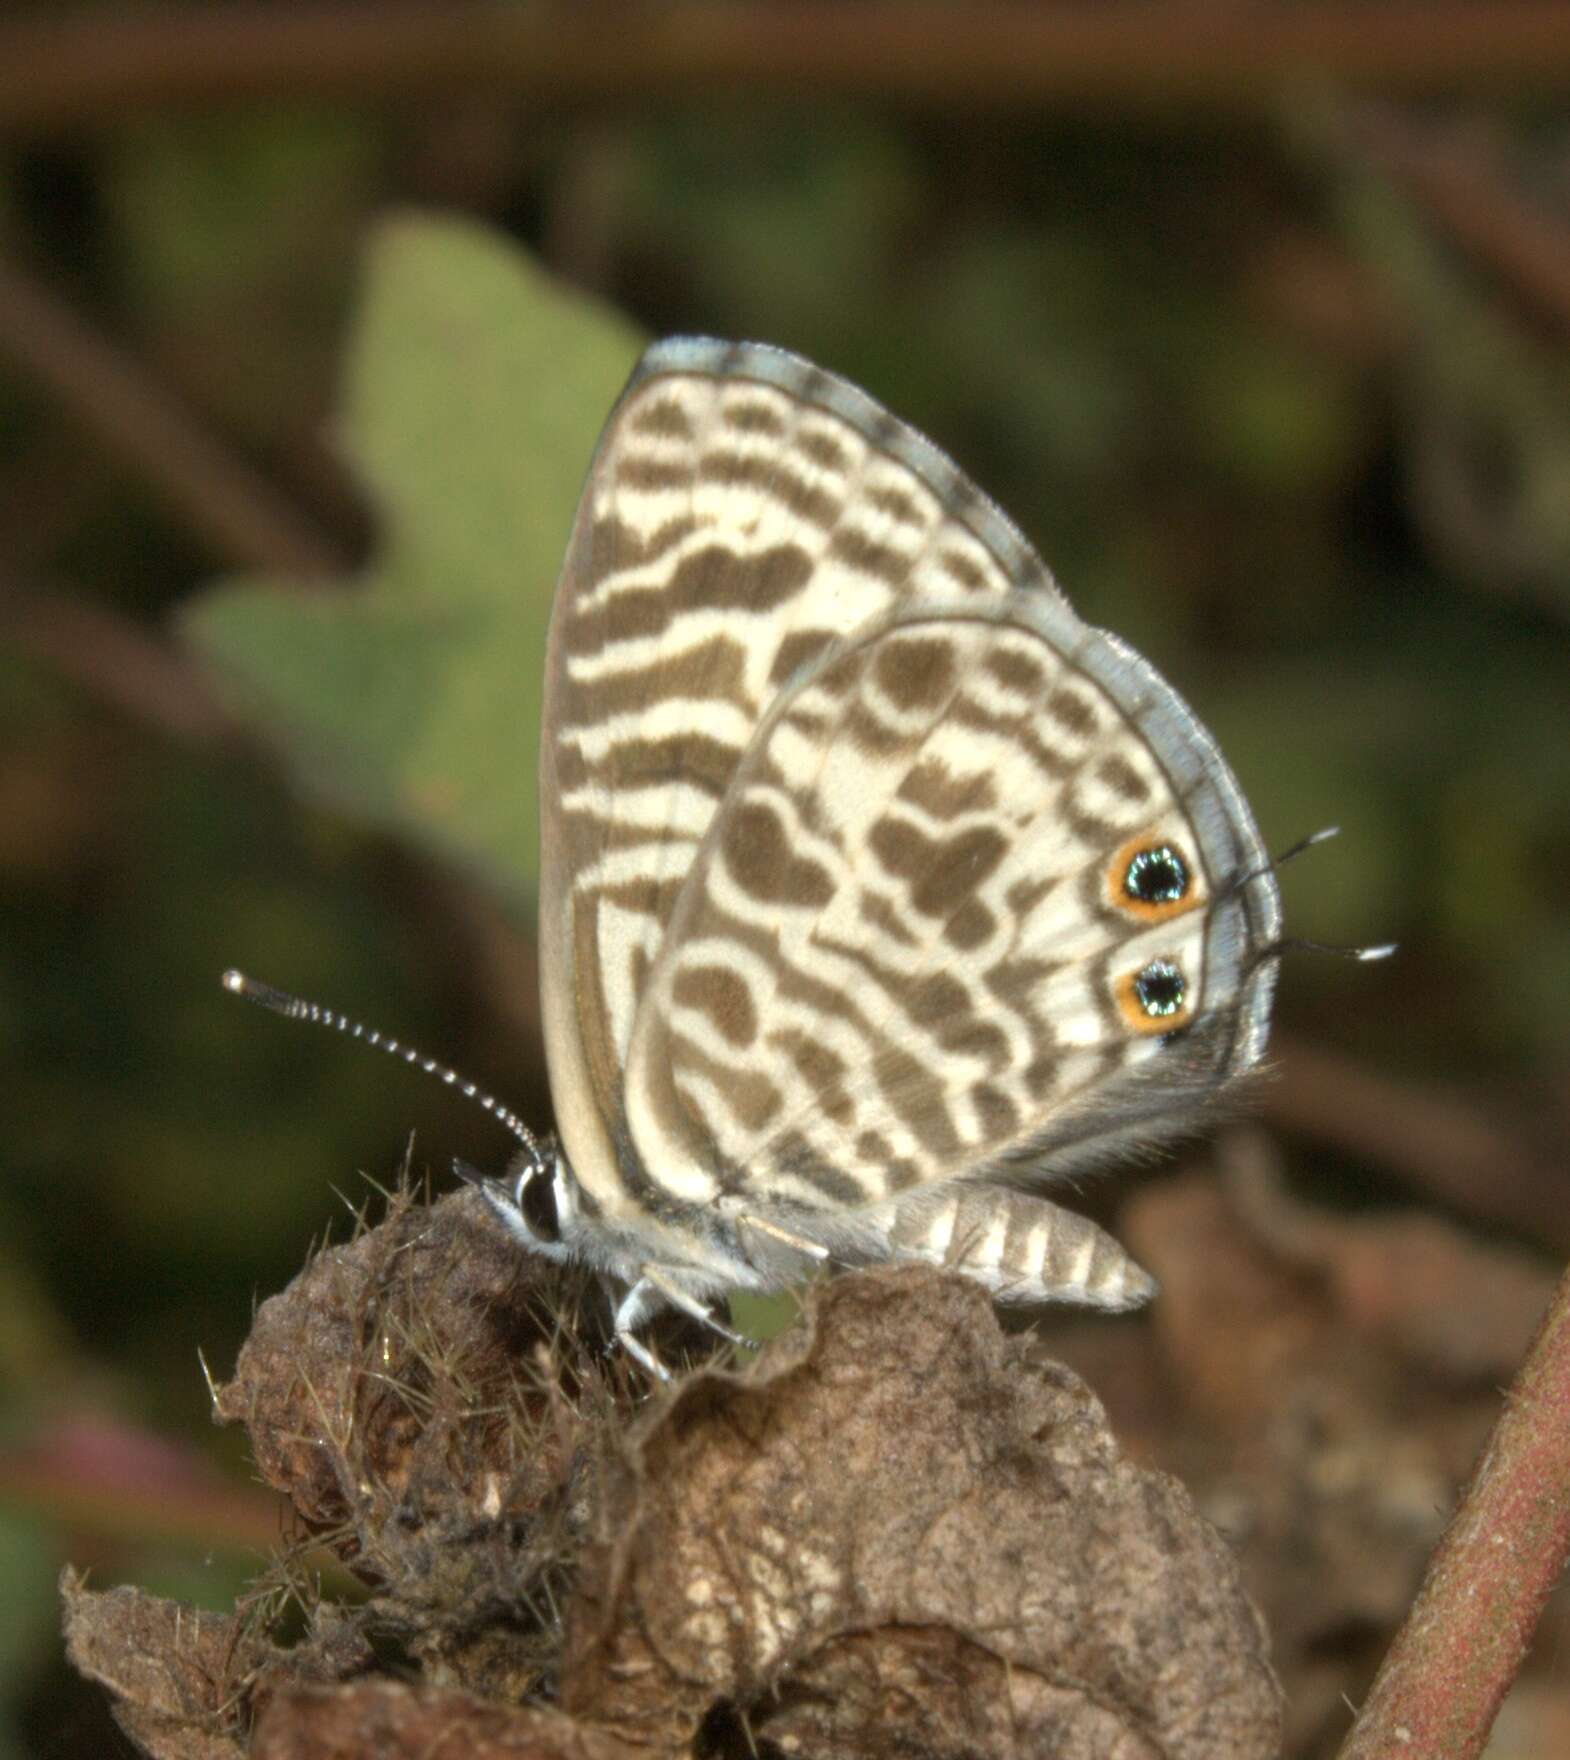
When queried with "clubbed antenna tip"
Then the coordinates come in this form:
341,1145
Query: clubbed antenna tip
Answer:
297,1008
265,996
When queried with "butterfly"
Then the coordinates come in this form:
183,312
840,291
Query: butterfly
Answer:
878,891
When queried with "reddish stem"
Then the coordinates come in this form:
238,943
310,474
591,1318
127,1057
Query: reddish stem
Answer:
1441,1686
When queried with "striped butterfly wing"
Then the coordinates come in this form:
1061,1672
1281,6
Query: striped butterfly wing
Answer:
841,806
953,918
742,512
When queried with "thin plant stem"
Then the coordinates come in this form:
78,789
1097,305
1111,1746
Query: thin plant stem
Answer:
1440,1687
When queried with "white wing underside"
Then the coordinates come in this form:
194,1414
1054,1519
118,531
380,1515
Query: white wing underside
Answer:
834,788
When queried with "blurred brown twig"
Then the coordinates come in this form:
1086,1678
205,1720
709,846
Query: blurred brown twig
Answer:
1442,1144
155,435
91,68
114,659
1465,189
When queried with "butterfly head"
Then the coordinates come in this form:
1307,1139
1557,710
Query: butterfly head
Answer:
537,1201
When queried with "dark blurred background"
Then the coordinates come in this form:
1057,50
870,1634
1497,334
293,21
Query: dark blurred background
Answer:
1257,320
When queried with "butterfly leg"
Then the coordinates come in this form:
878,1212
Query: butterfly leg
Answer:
797,1243
639,1303
657,1287
771,1231
670,1288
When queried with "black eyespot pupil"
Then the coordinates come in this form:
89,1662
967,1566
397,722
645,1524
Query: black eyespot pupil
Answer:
1157,876
1160,989
537,1201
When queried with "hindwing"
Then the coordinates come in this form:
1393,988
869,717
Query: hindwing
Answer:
907,949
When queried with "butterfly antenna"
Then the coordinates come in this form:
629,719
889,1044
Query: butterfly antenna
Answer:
296,1008
1297,944
1323,835
1272,863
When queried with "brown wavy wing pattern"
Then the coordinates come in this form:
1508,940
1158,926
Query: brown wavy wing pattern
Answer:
743,511
896,956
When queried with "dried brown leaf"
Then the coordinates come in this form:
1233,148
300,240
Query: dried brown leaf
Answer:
904,1527
384,1720
427,1389
398,1367
173,1673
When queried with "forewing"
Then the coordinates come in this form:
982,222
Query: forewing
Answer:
744,511
906,950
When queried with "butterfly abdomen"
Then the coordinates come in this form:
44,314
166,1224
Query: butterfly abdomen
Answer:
1022,1247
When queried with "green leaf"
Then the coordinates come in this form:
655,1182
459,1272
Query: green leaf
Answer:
476,389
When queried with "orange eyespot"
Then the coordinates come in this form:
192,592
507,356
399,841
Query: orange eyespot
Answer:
1151,879
1155,1000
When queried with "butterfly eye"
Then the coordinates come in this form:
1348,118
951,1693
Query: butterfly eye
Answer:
536,1200
1155,998
1151,880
